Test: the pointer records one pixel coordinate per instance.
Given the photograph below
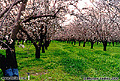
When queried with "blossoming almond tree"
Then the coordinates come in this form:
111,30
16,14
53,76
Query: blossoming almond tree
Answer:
100,22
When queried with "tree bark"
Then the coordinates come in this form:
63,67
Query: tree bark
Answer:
109,43
11,59
67,41
18,42
84,44
71,42
43,49
2,63
37,53
113,43
22,41
105,45
97,42
79,43
92,44
46,44
116,43
11,62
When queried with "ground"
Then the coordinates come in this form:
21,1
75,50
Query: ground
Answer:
67,62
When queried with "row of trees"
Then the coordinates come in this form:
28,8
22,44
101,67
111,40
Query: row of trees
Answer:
97,23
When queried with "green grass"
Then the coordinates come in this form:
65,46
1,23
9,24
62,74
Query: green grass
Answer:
66,62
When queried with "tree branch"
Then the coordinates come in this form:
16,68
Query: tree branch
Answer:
2,13
5,44
40,16
17,22
7,14
30,38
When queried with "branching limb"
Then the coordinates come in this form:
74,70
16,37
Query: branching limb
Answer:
40,16
2,13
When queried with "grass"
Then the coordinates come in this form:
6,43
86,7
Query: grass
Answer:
67,62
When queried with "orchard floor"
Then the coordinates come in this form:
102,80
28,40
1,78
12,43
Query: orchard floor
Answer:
66,62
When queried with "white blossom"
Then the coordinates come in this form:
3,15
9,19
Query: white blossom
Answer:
33,30
6,37
11,41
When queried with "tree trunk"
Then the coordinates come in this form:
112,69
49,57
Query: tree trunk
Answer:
18,42
11,62
2,63
29,41
105,45
11,59
71,42
84,44
46,44
92,44
79,43
113,43
22,41
116,43
46,47
97,42
109,43
43,50
37,53
67,41
11,56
